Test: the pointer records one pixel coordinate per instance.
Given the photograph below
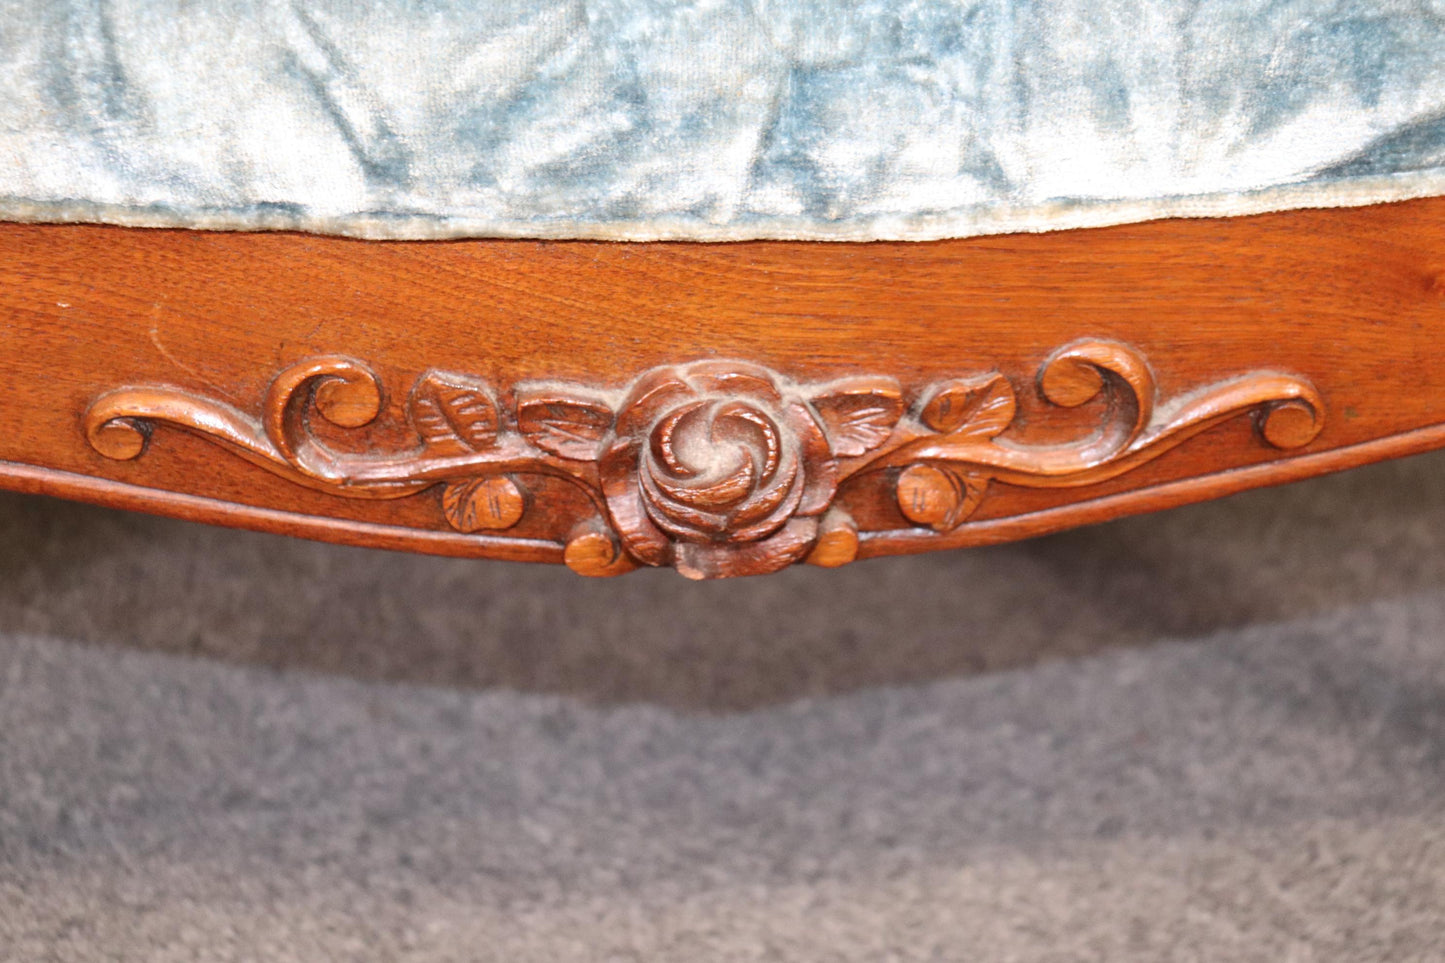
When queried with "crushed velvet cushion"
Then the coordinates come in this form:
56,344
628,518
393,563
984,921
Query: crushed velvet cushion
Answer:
712,119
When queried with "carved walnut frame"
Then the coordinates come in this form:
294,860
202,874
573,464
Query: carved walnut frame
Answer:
719,409
717,468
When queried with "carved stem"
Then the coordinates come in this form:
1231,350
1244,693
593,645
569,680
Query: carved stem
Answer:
1126,438
719,468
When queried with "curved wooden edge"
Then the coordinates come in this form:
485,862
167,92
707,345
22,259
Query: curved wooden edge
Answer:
1185,491
32,480
29,479
715,468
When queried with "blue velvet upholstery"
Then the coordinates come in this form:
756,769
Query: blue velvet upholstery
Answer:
702,119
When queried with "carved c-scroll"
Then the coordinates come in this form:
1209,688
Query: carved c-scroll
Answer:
717,468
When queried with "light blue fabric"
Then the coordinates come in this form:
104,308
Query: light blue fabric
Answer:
712,119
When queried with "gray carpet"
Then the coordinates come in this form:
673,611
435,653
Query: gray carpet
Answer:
1212,734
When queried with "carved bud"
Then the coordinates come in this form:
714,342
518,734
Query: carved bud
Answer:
477,504
938,497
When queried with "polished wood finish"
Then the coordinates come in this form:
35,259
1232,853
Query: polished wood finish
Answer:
997,387
716,468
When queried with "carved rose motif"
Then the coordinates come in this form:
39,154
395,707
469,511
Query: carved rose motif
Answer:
719,469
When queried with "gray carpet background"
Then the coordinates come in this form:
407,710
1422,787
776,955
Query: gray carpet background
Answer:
1212,734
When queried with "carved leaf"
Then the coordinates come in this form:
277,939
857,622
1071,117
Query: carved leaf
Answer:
483,503
938,497
978,407
454,412
859,413
565,423
941,471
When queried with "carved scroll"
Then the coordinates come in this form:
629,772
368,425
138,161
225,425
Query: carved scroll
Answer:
717,468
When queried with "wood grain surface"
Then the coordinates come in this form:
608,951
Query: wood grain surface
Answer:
1348,301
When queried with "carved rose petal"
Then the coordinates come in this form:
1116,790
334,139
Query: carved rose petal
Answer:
651,396
739,422
642,539
663,438
712,560
717,493
820,469
777,501
682,520
735,378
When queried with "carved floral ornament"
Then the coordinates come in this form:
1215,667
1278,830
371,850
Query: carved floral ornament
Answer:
717,468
